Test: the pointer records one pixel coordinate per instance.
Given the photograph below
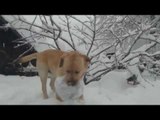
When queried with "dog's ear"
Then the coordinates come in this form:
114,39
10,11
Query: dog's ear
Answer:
61,62
86,59
62,59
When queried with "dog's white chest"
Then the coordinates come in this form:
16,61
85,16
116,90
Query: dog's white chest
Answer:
66,92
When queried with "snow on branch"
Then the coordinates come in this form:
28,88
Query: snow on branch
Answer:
110,41
93,38
44,34
69,31
81,22
128,54
5,27
138,52
35,25
98,77
14,61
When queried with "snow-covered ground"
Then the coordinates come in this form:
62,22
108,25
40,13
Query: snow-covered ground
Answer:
112,89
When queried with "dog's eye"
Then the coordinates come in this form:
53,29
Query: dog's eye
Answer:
77,72
68,71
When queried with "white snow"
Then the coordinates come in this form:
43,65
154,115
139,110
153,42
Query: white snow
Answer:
110,90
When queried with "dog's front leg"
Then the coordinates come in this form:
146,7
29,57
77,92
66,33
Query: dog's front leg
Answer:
52,82
81,99
44,89
43,77
58,98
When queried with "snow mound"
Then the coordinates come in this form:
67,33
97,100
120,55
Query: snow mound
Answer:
112,89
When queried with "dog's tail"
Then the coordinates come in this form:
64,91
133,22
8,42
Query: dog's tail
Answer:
28,58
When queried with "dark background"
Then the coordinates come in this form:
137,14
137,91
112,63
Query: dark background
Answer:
8,52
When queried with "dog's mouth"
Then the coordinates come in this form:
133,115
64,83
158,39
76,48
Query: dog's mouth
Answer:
71,83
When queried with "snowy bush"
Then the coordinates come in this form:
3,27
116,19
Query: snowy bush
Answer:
125,36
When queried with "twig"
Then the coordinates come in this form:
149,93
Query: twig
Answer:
81,22
35,25
145,79
47,44
14,61
74,35
19,39
49,36
45,19
67,43
55,39
33,22
139,35
130,48
94,35
69,32
139,54
104,49
97,78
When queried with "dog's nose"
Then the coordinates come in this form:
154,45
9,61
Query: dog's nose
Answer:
71,83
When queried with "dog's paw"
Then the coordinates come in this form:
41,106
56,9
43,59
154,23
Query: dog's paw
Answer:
45,97
81,101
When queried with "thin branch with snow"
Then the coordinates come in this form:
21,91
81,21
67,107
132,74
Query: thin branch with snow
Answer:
69,31
94,35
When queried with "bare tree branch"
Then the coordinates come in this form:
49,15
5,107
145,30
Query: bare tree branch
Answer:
69,32
49,36
33,22
45,19
93,39
22,54
67,43
108,47
130,48
35,25
89,37
138,54
81,22
55,39
97,78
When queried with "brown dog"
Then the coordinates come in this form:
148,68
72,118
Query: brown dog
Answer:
72,65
